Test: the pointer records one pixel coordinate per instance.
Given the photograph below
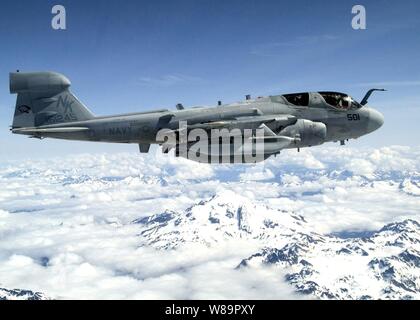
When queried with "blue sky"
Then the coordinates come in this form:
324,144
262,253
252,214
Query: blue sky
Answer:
125,56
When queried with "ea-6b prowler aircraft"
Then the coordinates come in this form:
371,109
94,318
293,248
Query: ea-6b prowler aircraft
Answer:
247,131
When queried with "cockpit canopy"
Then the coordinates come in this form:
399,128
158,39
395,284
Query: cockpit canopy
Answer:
340,100
336,100
298,99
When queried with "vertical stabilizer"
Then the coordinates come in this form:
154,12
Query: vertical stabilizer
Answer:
44,98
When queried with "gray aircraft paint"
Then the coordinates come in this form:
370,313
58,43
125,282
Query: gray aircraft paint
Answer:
45,108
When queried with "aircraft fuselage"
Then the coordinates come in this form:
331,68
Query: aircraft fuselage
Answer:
46,108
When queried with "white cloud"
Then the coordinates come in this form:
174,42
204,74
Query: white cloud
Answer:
256,173
276,48
168,80
360,167
65,223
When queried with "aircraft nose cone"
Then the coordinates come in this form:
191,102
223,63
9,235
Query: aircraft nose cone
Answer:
376,120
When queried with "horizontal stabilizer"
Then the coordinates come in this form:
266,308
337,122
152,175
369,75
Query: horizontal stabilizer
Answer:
49,130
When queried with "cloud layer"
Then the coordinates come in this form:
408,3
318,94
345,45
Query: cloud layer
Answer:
66,224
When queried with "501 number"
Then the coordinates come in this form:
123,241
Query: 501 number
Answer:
353,117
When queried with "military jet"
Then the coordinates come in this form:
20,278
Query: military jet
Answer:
247,131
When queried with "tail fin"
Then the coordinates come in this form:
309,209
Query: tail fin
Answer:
44,98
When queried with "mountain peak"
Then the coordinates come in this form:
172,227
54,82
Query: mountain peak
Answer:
382,265
224,216
407,225
229,197
19,294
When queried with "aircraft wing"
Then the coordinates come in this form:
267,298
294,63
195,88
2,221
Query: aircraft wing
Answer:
242,122
253,121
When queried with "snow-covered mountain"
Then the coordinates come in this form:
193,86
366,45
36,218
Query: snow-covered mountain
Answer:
383,265
225,216
18,294
301,222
